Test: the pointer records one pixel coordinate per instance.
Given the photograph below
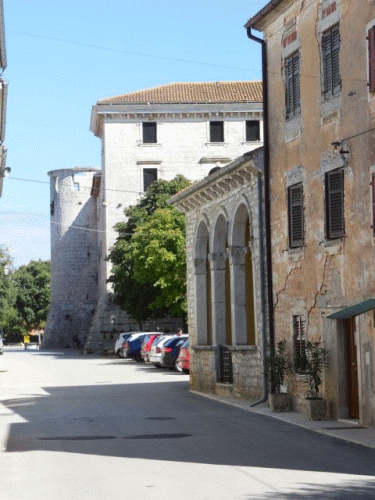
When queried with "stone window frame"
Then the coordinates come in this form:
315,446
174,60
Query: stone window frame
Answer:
329,89
296,215
294,176
330,203
293,123
330,106
369,26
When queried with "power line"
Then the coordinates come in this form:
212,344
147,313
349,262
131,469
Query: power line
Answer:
168,58
130,52
83,187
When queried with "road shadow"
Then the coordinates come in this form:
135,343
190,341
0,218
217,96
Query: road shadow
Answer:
165,421
350,490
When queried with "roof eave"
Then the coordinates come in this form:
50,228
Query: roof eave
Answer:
256,21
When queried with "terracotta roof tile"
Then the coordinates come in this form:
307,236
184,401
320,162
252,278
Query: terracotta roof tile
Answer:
201,92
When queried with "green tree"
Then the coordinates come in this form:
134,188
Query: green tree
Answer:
8,313
32,294
149,258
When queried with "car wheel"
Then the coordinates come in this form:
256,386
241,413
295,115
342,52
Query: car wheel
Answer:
177,366
120,353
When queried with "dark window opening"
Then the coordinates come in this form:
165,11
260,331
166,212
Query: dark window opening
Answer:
295,216
334,187
252,130
299,343
292,86
331,68
52,206
149,176
216,131
149,132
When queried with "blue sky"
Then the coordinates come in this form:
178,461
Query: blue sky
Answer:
63,56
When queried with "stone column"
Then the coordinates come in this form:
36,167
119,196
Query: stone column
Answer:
217,261
200,301
237,262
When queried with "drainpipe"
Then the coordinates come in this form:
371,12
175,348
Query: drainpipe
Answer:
267,210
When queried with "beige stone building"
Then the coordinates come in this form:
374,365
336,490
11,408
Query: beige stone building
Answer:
225,269
320,57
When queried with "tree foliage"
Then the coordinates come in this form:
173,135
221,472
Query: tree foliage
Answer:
33,293
149,257
24,297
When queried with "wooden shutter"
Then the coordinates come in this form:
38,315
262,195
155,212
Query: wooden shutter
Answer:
292,85
289,86
331,66
335,204
336,80
296,85
327,62
371,58
295,209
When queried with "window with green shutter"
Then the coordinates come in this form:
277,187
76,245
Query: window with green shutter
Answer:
295,216
331,67
334,187
292,86
371,59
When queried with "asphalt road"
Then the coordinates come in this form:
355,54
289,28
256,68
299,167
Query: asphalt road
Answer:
88,427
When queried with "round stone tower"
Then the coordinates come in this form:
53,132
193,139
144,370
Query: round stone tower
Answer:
74,256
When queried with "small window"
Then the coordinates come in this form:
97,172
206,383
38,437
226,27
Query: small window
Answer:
76,187
295,216
216,131
371,59
252,131
299,342
149,132
52,207
334,188
292,86
149,176
331,69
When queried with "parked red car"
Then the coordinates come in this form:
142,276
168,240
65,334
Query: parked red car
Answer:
183,360
146,346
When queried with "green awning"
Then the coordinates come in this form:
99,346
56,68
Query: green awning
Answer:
351,311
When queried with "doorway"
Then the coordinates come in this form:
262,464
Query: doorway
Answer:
351,368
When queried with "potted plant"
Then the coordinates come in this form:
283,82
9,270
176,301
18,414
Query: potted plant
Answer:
312,364
277,366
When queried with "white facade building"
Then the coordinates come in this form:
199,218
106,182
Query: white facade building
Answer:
179,128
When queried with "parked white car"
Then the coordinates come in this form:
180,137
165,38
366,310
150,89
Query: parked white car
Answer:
155,353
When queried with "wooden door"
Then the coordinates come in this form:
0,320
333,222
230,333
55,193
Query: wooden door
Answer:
352,368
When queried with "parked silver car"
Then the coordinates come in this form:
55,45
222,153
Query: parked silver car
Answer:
155,353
